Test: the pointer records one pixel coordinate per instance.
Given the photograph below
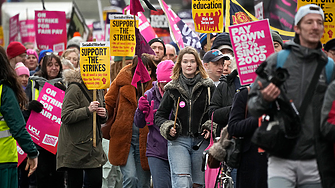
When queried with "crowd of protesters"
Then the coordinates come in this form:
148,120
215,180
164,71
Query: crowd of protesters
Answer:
159,123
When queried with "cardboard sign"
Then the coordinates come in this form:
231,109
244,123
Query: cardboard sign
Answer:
50,30
44,127
208,16
252,44
27,31
14,28
21,154
122,35
328,8
95,64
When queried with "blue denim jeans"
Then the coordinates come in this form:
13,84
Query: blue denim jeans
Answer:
133,174
185,163
160,170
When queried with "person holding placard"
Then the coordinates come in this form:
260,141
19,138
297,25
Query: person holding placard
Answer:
127,146
188,95
12,126
72,54
158,47
50,72
75,151
308,70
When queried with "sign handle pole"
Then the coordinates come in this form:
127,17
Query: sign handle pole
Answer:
123,61
94,120
208,42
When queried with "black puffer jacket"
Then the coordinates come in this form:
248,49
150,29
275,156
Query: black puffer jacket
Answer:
222,100
192,112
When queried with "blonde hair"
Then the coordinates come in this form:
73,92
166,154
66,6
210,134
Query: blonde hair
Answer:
66,62
68,51
177,67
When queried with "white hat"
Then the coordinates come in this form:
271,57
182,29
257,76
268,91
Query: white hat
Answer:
307,9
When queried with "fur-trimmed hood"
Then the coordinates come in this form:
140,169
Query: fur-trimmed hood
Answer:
175,84
72,75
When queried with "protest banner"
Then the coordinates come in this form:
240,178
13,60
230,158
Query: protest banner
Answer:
208,16
252,44
50,30
21,154
2,39
122,35
14,28
328,8
181,34
27,31
95,64
186,16
281,13
236,14
143,25
159,23
77,24
97,32
44,127
107,24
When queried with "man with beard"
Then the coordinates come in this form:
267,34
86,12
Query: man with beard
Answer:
158,47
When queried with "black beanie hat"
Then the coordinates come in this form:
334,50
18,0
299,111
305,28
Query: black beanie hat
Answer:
221,39
157,40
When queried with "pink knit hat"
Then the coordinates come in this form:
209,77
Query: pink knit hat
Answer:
164,71
21,69
32,52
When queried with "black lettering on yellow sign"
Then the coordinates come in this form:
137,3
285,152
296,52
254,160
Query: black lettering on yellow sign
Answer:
123,23
328,17
93,51
206,5
94,68
119,37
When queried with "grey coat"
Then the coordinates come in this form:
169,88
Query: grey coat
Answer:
75,141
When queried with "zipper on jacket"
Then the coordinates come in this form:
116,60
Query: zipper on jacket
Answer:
189,118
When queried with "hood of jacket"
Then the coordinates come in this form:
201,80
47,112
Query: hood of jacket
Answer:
175,84
72,75
41,81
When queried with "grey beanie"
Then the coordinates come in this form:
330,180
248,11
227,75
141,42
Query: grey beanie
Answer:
276,37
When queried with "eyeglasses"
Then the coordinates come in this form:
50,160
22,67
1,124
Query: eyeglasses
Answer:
50,53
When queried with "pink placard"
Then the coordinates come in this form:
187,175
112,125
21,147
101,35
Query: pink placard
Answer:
27,31
13,28
44,127
21,154
50,30
252,44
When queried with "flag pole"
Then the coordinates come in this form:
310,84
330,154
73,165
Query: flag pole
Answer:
208,42
94,117
142,86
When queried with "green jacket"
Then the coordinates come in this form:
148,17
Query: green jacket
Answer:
75,140
12,114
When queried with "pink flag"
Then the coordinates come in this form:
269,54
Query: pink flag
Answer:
141,73
13,28
135,7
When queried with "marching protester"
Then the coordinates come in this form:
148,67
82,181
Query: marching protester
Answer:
214,62
329,48
144,115
73,55
50,72
127,144
31,61
66,64
16,52
171,53
298,168
75,151
23,74
222,42
277,41
12,126
158,47
203,42
190,84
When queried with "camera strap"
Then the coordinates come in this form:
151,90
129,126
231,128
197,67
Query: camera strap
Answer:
309,93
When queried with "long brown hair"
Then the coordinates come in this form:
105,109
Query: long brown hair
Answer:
8,74
43,72
177,67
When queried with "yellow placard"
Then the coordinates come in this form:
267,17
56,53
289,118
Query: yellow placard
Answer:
208,16
328,8
2,39
122,35
95,64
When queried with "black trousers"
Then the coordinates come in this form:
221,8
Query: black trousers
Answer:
46,173
92,175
